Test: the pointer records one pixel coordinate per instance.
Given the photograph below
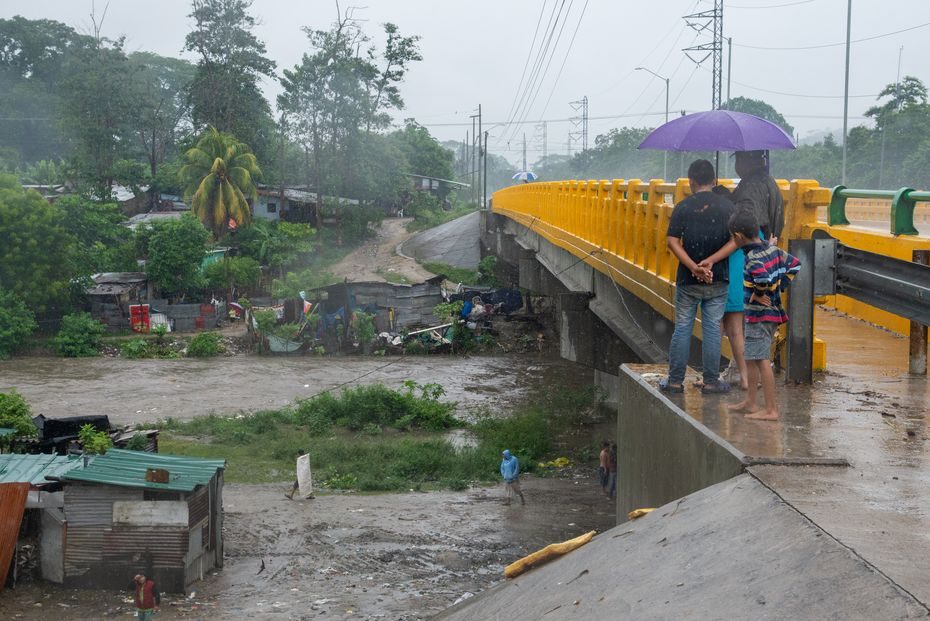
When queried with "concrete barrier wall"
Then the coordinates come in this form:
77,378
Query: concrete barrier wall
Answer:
662,453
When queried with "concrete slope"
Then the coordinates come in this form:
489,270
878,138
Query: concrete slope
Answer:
730,551
454,243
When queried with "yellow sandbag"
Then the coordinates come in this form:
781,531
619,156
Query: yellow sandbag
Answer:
551,551
638,513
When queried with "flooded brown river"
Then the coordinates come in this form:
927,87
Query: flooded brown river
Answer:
135,391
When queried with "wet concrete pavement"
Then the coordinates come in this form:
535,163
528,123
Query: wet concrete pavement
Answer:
454,243
865,410
135,391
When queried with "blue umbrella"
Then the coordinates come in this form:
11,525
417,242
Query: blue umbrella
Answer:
525,176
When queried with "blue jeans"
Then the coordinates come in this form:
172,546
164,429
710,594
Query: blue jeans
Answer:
712,299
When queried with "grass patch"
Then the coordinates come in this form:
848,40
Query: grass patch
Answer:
373,438
455,274
428,218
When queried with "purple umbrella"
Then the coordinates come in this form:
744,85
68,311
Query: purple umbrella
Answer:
718,130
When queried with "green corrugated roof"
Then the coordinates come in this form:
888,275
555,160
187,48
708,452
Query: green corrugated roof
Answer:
6,431
127,469
34,468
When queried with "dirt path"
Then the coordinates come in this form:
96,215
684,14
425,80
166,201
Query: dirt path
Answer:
378,257
353,556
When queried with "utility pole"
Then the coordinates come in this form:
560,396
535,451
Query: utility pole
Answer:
480,152
729,66
664,153
524,151
710,22
897,82
484,203
474,137
846,90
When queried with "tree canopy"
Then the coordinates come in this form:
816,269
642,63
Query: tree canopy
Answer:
218,178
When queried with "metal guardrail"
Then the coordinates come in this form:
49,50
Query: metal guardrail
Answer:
893,285
903,202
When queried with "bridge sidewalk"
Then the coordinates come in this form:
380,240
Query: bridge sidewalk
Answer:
865,410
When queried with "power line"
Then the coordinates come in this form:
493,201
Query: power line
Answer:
765,90
561,120
526,64
767,6
567,53
537,63
541,76
817,47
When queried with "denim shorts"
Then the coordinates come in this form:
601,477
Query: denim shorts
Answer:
759,340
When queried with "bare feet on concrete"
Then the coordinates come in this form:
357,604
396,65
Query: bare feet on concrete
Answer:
764,415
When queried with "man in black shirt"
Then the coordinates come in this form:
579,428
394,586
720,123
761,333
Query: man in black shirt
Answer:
697,229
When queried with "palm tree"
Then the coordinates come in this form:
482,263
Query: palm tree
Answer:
217,178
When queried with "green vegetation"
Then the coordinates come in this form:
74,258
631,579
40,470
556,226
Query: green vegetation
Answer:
427,212
175,253
373,438
137,442
17,323
205,345
94,442
136,348
16,414
79,336
218,178
455,274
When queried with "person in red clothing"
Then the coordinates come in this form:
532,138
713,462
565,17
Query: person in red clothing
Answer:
148,599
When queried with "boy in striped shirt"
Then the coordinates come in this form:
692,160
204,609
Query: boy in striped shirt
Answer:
768,272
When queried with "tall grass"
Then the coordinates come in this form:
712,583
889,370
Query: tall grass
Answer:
377,439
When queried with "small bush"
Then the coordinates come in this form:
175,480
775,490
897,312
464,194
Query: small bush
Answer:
381,406
137,442
205,345
17,323
94,442
79,336
136,348
16,414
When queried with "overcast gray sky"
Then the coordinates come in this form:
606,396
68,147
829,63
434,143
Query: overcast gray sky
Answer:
475,51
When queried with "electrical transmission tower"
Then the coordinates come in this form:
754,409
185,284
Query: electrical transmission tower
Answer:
580,131
541,130
709,23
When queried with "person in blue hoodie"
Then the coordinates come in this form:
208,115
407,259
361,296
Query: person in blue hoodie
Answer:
510,470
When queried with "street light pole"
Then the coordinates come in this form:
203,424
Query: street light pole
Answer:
665,153
846,89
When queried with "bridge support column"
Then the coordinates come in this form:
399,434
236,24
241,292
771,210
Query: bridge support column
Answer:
587,340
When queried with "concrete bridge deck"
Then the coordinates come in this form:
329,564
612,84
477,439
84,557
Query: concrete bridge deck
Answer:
868,411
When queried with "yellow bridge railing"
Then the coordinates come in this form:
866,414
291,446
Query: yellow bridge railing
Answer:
619,228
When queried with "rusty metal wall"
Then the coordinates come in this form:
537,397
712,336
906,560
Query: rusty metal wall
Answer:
12,505
99,557
93,504
198,506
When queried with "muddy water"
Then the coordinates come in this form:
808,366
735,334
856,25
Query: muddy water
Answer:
135,391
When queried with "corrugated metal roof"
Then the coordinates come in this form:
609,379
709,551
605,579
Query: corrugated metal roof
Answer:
34,468
12,504
127,469
6,431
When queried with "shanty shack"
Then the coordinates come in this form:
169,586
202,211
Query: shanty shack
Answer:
31,518
129,512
